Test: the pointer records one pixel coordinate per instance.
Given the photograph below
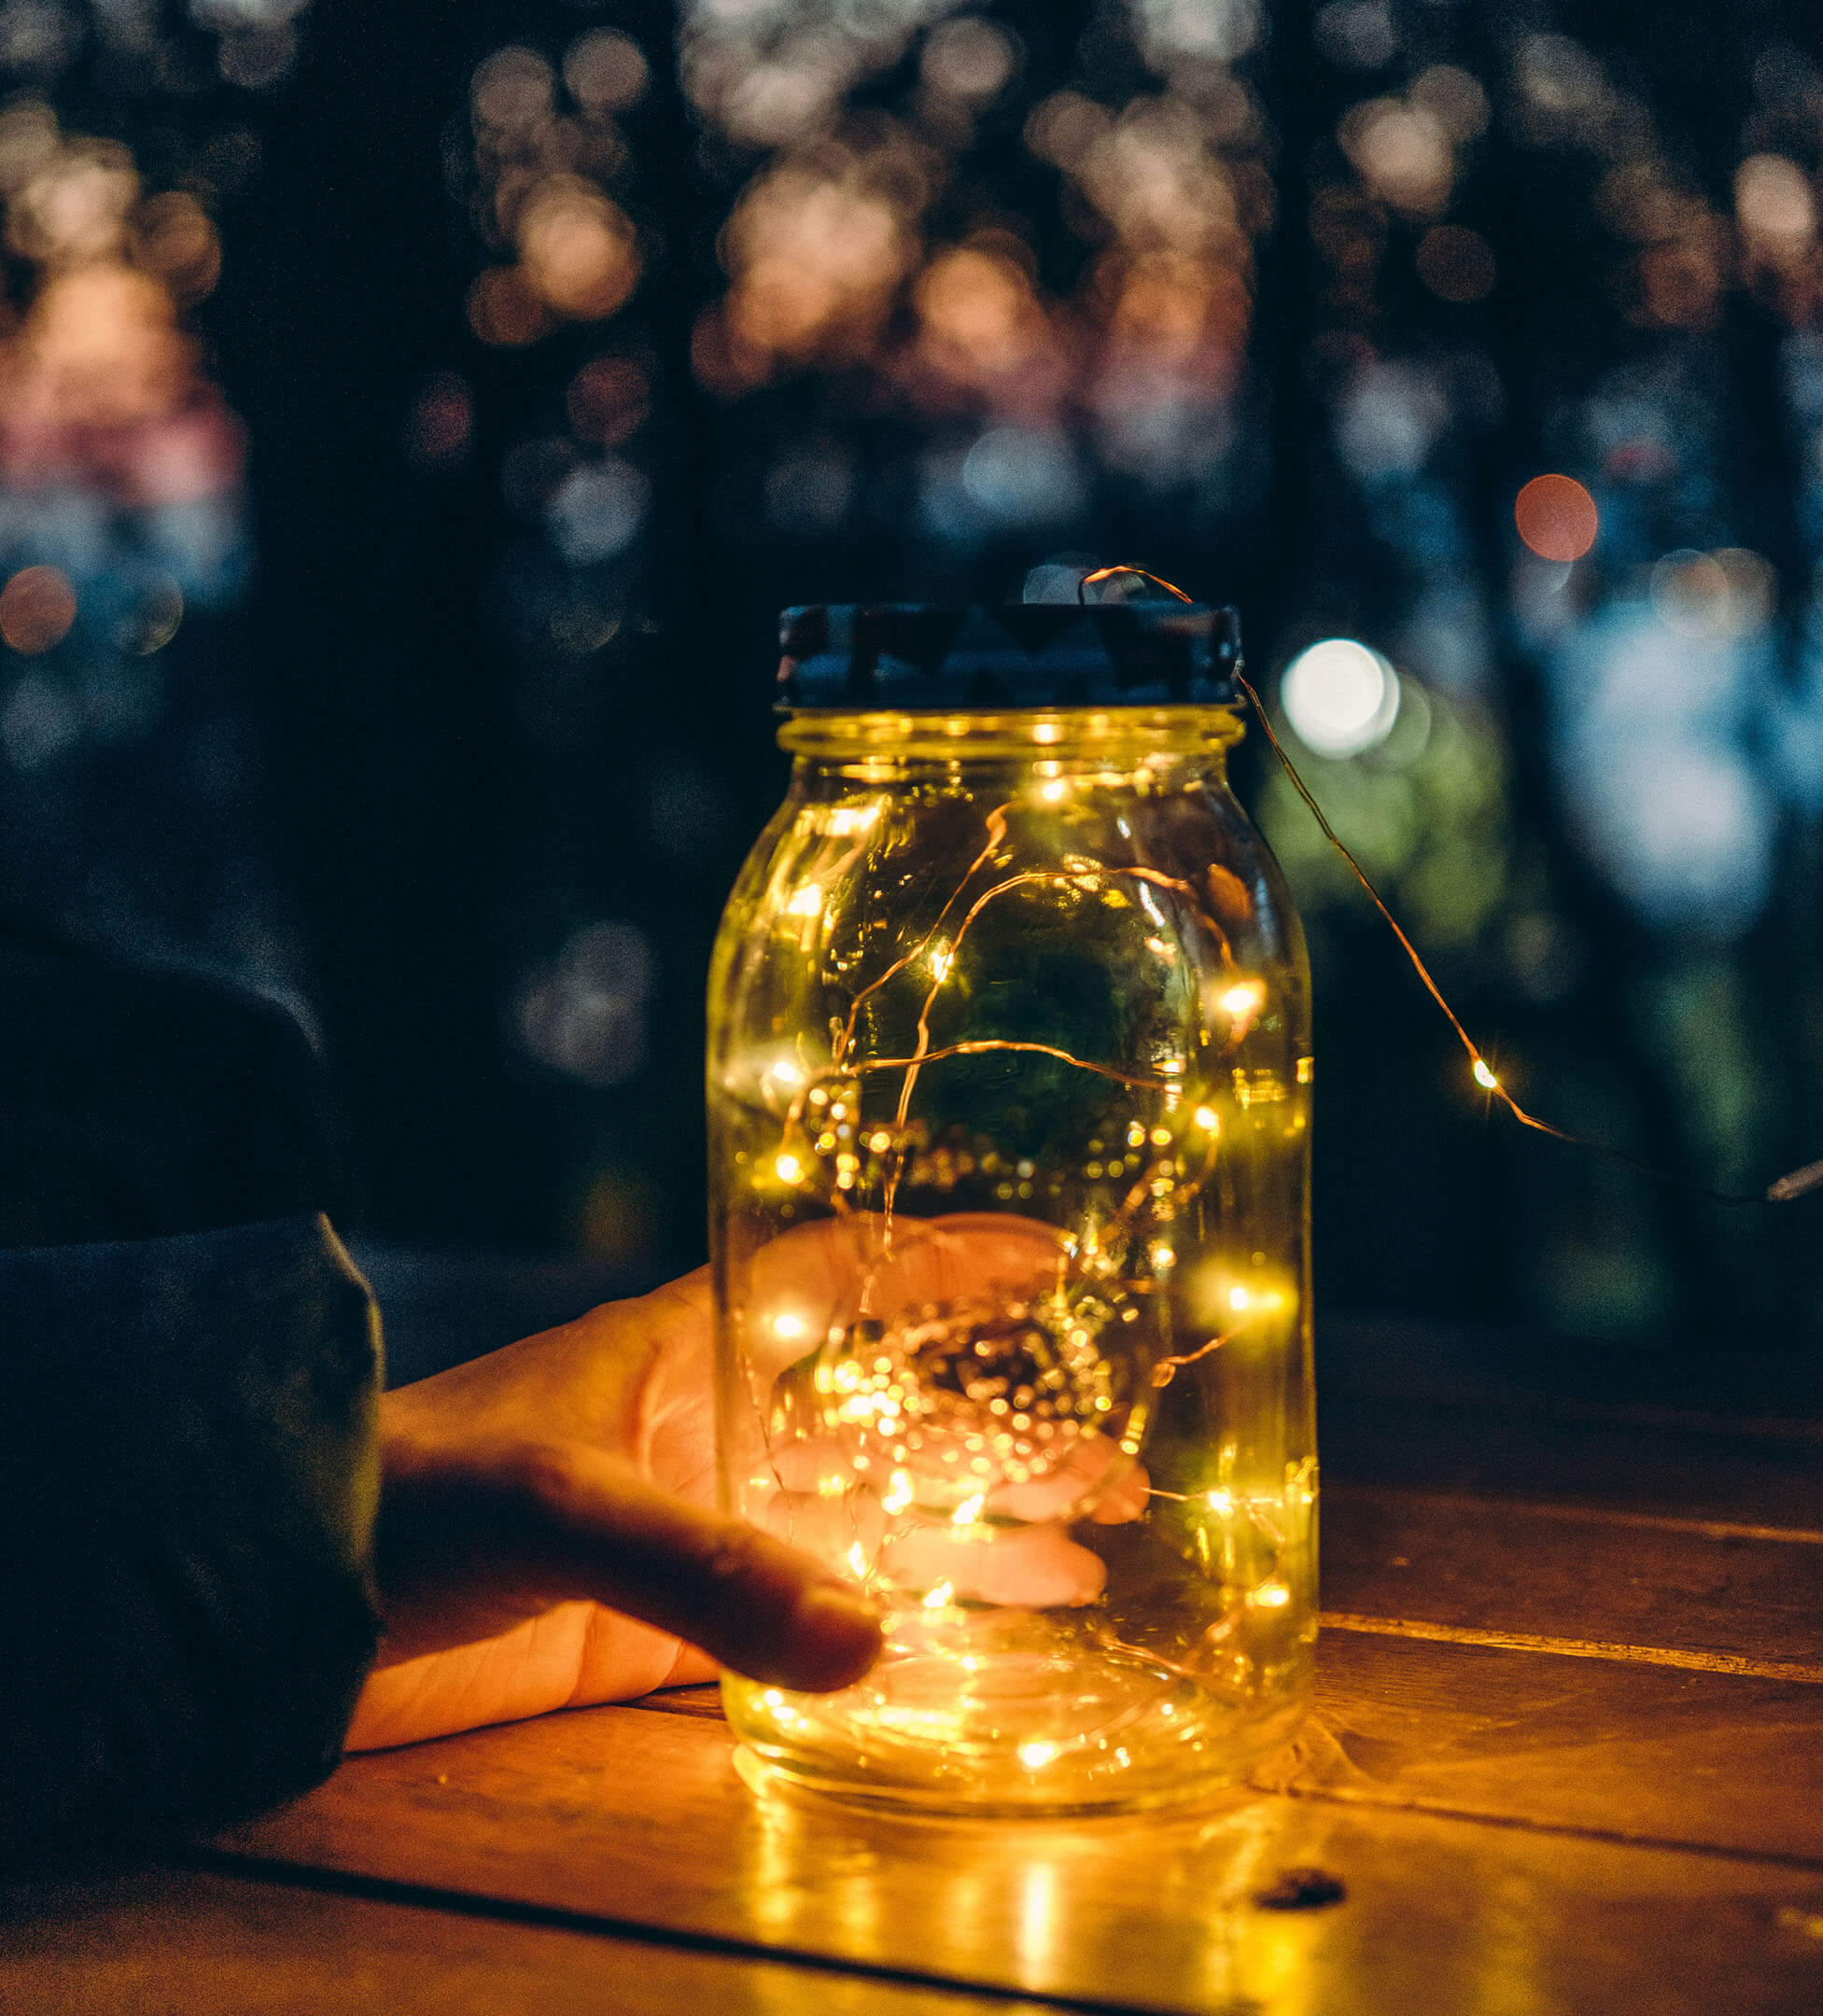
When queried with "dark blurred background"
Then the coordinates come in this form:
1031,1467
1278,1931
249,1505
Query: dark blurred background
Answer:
411,418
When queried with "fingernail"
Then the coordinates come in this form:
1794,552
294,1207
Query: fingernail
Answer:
835,1636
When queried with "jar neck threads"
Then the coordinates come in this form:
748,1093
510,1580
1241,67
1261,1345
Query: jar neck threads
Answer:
1121,738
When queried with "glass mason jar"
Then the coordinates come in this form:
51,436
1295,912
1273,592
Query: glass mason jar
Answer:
1009,1086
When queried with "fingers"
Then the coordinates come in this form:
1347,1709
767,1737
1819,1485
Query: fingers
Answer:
1041,1569
593,1527
815,1276
1096,1480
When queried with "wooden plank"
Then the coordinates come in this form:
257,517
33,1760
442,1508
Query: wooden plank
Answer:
1634,1751
1734,1593
1658,1681
168,1943
642,1816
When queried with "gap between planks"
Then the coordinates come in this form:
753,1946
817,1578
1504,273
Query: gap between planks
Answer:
1506,1640
708,1707
1341,1492
480,1904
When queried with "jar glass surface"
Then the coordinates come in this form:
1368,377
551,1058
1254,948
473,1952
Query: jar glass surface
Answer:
1009,1085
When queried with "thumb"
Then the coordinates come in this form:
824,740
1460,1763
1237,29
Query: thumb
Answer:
586,1524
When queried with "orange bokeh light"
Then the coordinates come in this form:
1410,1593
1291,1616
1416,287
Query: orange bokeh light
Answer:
579,250
37,610
1556,518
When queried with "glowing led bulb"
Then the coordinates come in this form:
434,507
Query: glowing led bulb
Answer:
806,901
939,1596
789,1170
1035,1756
1244,1000
1485,1077
788,1328
1209,1120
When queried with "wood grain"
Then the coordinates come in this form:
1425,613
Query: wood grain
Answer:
641,1817
1630,1752
1617,1806
1575,1573
174,1943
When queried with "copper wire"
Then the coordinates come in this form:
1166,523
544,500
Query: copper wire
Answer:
1799,1183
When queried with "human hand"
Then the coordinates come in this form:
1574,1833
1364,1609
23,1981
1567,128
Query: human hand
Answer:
547,1538
1015,1548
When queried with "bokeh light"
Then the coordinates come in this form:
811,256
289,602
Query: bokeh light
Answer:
1455,263
1340,697
973,294
38,609
441,425
578,248
1556,517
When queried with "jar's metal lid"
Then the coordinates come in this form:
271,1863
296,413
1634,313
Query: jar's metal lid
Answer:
909,655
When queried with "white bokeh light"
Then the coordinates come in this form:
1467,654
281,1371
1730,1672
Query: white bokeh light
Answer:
1340,697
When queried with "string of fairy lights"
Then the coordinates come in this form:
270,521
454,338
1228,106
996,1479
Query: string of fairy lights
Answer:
1782,1190
986,289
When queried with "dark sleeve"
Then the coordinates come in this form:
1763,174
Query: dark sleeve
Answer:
187,1482
187,1455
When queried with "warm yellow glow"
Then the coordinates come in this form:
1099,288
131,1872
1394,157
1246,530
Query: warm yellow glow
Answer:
790,1169
789,1327
847,820
806,901
939,1596
1035,1756
942,959
898,1492
1485,1077
857,1560
1209,1120
969,1510
1244,1000
1271,1596
1238,1299
1054,789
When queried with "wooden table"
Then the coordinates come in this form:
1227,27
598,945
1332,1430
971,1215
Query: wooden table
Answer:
1566,1755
